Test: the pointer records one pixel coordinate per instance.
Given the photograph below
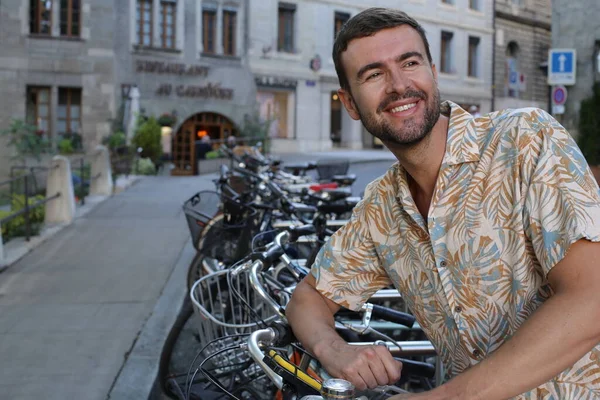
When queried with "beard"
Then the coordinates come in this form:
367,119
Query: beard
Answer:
412,132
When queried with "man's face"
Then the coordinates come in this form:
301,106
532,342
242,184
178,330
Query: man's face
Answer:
393,87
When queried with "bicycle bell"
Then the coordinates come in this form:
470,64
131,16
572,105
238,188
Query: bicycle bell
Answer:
337,389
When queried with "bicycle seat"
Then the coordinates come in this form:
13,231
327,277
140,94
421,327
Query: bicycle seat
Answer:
336,194
296,168
344,180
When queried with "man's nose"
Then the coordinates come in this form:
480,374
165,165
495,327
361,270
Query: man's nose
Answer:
397,83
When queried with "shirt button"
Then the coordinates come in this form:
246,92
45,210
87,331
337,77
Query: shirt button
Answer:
476,353
458,309
443,264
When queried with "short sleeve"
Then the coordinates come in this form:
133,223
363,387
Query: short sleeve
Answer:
562,202
347,269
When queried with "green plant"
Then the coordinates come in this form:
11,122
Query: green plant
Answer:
16,226
147,137
115,140
144,166
589,127
65,146
257,127
26,141
167,119
212,155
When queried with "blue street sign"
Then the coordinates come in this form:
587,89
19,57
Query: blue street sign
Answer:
562,65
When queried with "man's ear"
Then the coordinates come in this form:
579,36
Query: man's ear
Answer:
348,103
435,74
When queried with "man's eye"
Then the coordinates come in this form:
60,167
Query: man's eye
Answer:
373,75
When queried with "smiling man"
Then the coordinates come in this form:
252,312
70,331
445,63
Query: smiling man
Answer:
489,228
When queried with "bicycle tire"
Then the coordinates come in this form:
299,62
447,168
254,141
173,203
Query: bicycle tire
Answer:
166,355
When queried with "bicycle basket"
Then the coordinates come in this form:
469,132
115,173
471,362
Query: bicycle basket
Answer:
228,236
199,210
327,169
220,305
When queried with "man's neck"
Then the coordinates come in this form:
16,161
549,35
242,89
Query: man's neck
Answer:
422,163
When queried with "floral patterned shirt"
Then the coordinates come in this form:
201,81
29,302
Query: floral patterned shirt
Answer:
513,193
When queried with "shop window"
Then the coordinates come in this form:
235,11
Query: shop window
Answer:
511,87
70,17
38,109
473,69
144,22
69,111
229,31
285,38
339,21
209,29
168,14
40,17
446,53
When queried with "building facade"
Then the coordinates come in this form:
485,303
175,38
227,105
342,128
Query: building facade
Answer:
523,37
57,68
576,25
290,44
71,67
89,67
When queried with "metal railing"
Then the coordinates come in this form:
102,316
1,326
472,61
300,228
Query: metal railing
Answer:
82,180
27,208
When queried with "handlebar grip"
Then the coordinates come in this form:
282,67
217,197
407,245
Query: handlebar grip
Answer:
390,315
271,255
417,368
300,231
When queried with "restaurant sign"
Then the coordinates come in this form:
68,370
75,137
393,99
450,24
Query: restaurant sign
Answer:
208,90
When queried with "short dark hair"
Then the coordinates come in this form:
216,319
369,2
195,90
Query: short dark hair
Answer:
368,23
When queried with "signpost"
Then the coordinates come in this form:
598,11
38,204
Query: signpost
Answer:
562,65
559,97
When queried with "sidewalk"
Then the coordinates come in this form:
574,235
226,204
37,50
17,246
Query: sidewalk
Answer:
84,315
71,310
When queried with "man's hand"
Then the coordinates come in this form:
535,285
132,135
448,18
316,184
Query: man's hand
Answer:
364,366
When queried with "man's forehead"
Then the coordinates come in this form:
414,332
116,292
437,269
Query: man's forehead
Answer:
387,43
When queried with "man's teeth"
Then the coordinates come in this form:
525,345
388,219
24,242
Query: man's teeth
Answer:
403,108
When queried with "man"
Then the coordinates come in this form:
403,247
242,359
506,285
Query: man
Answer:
488,227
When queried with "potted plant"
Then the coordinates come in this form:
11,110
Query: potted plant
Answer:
167,119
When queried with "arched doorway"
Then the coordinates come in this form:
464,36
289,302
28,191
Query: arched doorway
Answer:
187,139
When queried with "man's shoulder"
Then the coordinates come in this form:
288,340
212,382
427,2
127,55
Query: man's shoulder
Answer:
384,185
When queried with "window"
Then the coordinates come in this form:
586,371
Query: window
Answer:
473,56
229,31
144,22
285,39
340,20
209,29
70,14
451,2
474,5
69,111
512,70
40,17
168,14
38,108
446,56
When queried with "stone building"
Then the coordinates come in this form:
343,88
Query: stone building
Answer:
290,45
576,25
57,68
71,67
521,51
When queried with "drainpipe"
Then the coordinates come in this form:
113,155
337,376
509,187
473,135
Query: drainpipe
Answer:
493,56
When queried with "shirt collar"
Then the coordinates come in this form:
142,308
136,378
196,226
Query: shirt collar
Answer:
462,142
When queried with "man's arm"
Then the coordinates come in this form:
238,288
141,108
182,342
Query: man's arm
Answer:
554,338
311,317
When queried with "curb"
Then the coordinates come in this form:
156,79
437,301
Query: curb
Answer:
139,373
18,248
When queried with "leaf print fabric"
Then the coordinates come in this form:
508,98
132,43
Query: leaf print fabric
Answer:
513,193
